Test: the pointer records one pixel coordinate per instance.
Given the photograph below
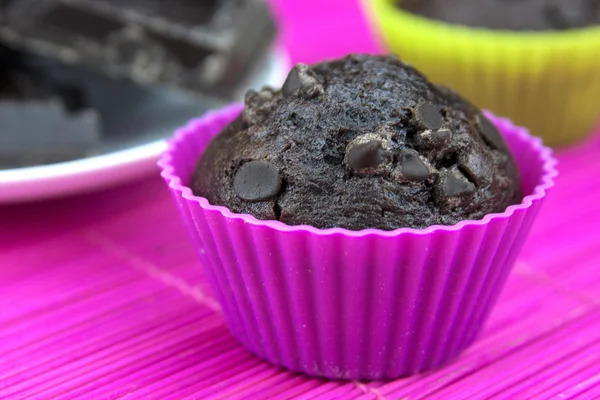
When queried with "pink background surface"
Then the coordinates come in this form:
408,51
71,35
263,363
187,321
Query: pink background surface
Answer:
102,295
313,30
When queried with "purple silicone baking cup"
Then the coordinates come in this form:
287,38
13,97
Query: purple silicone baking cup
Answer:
344,304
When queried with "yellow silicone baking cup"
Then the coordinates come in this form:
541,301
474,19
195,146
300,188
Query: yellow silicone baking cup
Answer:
546,81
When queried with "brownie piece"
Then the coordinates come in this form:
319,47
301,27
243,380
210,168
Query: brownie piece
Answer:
360,142
207,47
536,15
18,82
40,121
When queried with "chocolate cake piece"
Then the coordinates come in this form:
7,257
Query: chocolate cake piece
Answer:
207,46
41,122
522,15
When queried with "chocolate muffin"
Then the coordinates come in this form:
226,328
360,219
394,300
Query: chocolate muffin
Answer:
360,142
537,15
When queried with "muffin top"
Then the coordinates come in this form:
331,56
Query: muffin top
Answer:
360,142
537,15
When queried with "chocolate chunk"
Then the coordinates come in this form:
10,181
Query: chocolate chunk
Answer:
413,168
365,155
454,184
490,133
256,181
429,116
292,83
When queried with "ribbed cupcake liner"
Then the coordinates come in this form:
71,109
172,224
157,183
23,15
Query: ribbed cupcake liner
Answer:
346,304
546,81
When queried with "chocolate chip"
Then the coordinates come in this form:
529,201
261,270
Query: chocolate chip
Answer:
292,83
434,140
442,136
302,81
474,165
413,168
365,155
454,184
429,116
490,133
256,181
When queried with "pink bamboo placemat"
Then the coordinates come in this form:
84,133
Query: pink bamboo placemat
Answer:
102,297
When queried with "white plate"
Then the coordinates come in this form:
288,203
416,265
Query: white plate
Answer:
136,128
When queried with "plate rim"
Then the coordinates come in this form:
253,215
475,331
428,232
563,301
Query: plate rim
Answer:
82,165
